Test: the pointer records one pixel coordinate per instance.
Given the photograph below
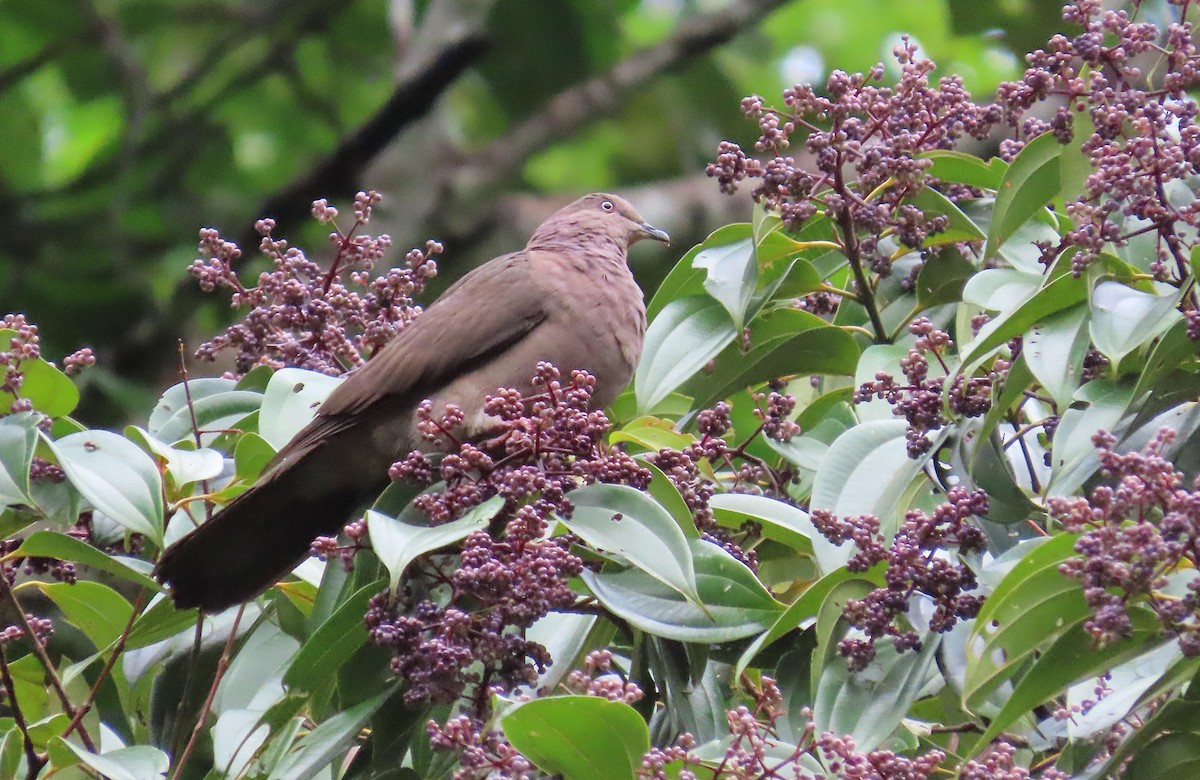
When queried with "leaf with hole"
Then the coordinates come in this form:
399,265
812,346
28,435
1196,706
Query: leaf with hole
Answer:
116,477
291,401
626,522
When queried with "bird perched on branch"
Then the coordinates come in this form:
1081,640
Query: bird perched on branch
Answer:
567,298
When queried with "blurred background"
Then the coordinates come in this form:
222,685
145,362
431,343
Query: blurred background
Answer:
126,125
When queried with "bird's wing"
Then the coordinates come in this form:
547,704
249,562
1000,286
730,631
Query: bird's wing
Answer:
482,314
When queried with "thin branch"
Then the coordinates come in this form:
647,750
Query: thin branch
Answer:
189,680
581,104
32,758
222,666
338,174
47,664
83,709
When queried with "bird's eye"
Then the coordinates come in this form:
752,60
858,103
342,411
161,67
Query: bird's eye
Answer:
607,205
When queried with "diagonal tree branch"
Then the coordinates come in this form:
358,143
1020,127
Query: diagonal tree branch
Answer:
336,176
581,104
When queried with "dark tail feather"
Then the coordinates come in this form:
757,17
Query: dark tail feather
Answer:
265,532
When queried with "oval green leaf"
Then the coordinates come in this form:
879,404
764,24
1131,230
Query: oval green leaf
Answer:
579,737
116,477
621,520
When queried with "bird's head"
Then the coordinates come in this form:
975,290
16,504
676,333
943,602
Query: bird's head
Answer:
599,214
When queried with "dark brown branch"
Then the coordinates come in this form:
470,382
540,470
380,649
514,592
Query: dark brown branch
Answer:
39,650
32,758
27,67
579,105
337,176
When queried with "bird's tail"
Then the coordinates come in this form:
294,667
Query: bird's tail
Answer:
266,531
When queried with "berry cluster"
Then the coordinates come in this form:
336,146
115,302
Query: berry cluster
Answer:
918,562
1123,83
300,314
484,754
1137,532
42,629
25,345
863,162
472,608
597,678
920,401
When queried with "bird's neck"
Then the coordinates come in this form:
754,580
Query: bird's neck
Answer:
601,250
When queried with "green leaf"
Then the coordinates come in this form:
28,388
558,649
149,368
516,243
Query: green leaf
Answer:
624,521
962,168
52,544
781,522
685,335
1076,165
254,677
866,472
782,342
161,621
1072,657
652,434
579,737
732,276
684,280
663,490
116,477
1031,607
216,403
397,543
736,603
943,277
18,439
1124,318
803,611
1030,183
49,390
1172,755
97,610
333,643
959,228
1062,293
184,465
324,743
1000,289
1074,457
869,705
251,456
290,402
140,762
1054,350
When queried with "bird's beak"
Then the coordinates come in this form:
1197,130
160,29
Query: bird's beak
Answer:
658,234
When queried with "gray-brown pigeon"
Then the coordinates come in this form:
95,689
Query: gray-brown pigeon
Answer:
567,298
